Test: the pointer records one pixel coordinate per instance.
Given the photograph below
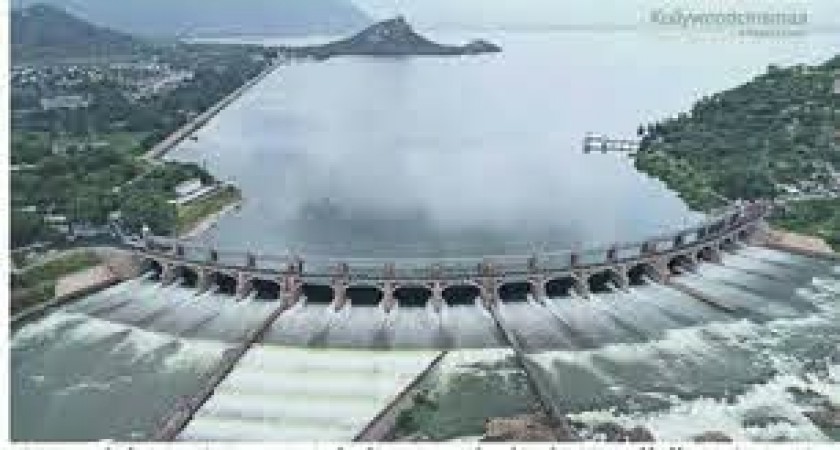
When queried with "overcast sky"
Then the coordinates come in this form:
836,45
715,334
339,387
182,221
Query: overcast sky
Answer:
578,12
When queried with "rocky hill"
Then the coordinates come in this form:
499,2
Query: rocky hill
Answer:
45,31
191,18
394,37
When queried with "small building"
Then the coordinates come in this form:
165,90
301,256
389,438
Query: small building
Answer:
192,190
837,85
64,102
86,230
58,223
188,187
55,219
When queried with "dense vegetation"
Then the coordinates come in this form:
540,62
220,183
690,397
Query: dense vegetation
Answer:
86,164
42,31
773,137
86,187
166,18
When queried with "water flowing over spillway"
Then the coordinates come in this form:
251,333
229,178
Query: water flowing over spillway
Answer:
751,375
651,356
286,394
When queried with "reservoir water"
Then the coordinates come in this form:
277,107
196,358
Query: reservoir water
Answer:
425,156
479,155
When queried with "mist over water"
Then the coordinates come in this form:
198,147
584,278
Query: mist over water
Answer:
478,155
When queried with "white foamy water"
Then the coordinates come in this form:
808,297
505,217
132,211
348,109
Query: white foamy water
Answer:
69,371
651,356
292,394
754,380
767,412
138,345
354,326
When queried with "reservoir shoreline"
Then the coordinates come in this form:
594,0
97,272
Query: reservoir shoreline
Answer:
162,148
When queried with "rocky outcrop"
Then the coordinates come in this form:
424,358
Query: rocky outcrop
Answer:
539,428
394,37
612,432
712,436
826,417
525,428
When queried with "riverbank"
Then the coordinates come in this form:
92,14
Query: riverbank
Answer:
202,214
812,225
37,283
66,277
199,216
800,244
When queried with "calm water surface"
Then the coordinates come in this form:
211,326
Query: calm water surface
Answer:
470,155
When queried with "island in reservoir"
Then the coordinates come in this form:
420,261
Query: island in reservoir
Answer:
394,37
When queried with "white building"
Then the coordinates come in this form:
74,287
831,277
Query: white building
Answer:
188,187
64,102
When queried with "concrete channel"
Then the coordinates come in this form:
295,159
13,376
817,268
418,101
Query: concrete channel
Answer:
187,407
381,427
541,392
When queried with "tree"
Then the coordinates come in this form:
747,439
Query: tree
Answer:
153,210
26,228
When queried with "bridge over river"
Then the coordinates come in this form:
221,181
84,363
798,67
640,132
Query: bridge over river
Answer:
431,282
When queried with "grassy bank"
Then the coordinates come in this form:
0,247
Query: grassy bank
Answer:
693,187
819,218
194,213
36,284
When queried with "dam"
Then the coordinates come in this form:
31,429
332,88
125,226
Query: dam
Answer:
417,282
338,346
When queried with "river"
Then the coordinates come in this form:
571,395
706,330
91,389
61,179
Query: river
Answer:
427,156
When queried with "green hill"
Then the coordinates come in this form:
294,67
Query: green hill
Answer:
47,31
183,18
773,137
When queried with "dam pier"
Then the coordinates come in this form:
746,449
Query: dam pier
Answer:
486,282
377,338
424,282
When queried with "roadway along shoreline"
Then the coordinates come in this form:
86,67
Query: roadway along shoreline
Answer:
170,142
